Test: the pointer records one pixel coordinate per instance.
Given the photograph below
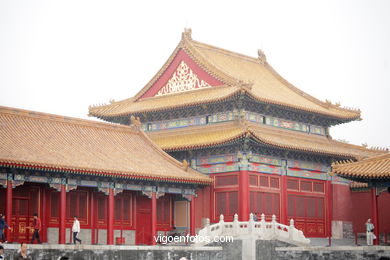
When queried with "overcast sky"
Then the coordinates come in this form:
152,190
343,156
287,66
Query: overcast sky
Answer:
62,56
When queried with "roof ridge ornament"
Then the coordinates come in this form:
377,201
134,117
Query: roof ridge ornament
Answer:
187,34
261,56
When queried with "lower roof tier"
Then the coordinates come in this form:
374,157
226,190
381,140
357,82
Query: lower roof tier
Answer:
223,133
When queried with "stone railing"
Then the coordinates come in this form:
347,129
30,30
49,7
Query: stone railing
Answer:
257,229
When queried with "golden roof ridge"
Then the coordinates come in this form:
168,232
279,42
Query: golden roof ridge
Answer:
66,119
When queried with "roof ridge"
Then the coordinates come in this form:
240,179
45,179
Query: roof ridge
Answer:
65,119
276,74
225,51
185,44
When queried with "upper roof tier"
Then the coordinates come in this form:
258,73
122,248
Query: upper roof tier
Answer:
56,143
198,73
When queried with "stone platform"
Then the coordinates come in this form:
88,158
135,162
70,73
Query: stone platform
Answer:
105,252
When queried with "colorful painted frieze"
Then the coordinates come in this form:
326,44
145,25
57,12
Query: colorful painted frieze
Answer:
254,117
277,122
264,168
265,159
307,165
307,174
318,130
221,117
217,159
217,168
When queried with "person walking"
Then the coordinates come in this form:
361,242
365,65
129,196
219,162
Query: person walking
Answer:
23,253
370,232
3,226
2,256
76,230
36,226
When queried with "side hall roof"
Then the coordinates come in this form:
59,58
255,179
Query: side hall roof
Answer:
372,168
49,142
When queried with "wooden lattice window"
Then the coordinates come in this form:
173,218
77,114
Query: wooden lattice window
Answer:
226,203
228,180
292,184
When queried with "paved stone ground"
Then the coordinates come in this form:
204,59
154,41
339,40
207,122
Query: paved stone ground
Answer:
339,242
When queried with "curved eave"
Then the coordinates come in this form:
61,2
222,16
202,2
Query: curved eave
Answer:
101,173
300,149
203,145
105,116
304,109
363,177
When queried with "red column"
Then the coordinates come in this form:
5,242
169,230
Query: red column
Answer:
243,196
375,219
62,230
110,223
283,200
154,218
192,216
8,209
92,216
329,204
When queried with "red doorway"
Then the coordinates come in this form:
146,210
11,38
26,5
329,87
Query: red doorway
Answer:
21,220
143,234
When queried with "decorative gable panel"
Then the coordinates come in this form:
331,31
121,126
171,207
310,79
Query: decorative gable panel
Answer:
183,74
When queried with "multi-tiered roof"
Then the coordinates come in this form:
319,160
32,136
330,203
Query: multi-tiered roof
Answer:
199,75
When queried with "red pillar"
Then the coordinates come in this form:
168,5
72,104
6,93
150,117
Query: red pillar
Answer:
8,209
154,218
329,198
375,219
192,216
283,200
110,223
62,230
243,196
92,215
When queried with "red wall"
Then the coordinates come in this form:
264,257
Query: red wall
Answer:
202,206
362,208
355,206
342,206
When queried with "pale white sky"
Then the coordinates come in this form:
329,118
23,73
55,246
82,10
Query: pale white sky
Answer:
61,56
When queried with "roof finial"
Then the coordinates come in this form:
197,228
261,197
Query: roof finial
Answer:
187,33
185,165
261,56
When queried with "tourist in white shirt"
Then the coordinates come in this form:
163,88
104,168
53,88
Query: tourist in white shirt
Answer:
76,230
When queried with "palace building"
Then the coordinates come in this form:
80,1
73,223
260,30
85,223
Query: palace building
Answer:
113,177
265,143
213,132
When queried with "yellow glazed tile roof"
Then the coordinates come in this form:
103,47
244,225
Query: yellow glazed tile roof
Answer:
51,142
376,167
239,72
221,133
167,102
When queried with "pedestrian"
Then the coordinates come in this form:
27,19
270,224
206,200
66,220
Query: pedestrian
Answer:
76,230
36,226
370,232
2,256
23,252
255,217
3,226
